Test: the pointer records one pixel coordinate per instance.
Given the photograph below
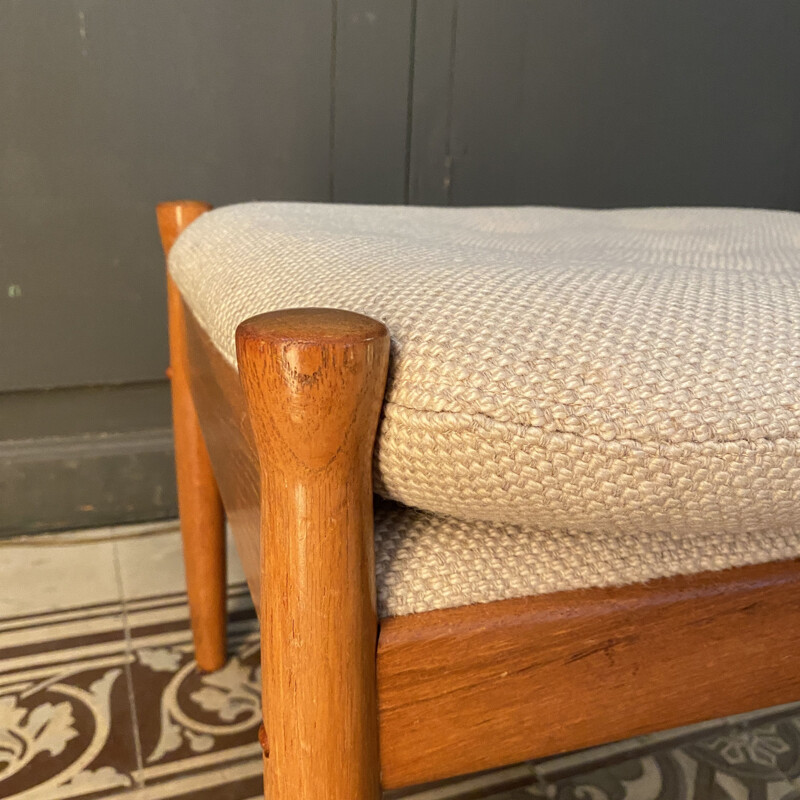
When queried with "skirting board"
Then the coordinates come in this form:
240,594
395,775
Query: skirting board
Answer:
87,480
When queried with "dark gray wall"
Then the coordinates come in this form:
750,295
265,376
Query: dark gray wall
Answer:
109,106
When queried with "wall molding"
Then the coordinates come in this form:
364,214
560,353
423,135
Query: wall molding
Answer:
86,480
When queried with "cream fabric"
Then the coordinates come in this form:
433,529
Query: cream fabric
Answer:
593,397
424,562
631,371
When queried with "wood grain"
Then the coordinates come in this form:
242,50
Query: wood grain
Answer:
314,381
220,403
480,686
486,685
199,504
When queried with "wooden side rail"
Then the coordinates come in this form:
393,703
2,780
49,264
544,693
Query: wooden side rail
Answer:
199,504
481,686
313,381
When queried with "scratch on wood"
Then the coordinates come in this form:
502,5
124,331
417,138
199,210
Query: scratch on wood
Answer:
607,647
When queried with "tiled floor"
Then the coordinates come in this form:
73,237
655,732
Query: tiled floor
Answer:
99,698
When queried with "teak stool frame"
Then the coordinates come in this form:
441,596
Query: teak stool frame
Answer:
349,708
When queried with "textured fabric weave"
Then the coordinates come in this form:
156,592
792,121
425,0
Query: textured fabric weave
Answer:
424,562
629,370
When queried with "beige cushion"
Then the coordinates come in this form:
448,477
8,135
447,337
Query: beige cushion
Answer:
622,371
424,561
602,398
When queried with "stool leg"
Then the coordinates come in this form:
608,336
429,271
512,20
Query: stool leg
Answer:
314,382
199,504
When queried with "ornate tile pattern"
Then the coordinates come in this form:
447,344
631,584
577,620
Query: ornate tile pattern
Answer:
105,700
102,699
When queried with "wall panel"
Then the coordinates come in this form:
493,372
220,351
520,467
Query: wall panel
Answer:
109,106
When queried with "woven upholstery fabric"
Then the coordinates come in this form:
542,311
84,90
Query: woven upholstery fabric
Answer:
625,372
425,562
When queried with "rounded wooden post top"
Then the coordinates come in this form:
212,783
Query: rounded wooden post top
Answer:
176,215
314,381
318,326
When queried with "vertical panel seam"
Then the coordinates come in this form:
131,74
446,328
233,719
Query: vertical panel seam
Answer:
448,152
332,112
412,50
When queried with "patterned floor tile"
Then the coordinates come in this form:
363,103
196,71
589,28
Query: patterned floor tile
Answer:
751,760
100,698
755,759
197,731
658,776
66,726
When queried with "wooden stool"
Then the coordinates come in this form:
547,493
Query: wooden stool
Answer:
353,705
